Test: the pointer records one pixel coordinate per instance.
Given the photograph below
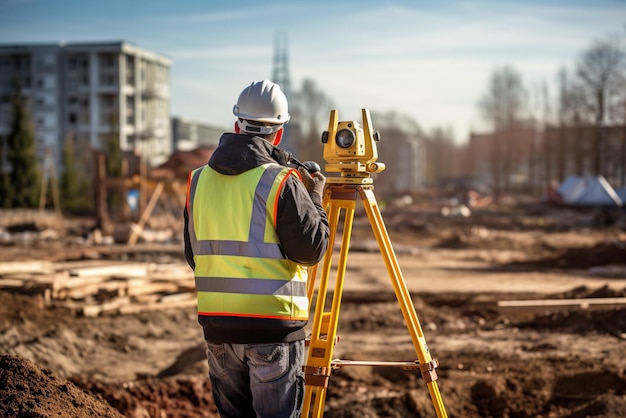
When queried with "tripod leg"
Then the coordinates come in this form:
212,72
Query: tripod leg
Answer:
324,330
404,299
312,272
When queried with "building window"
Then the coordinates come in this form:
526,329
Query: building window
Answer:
107,60
108,100
130,70
108,80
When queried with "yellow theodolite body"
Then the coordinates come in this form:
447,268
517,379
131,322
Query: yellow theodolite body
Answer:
350,149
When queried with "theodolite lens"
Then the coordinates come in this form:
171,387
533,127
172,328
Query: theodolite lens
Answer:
345,138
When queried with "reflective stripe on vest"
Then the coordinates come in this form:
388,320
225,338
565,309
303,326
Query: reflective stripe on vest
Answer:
240,267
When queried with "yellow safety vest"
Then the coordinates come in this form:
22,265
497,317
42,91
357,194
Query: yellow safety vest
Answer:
240,268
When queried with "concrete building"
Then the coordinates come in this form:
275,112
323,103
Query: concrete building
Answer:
93,92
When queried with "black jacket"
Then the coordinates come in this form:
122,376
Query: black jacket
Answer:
302,227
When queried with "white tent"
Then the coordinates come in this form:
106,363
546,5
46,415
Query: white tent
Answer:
589,191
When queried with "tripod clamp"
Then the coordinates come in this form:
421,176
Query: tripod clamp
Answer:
319,376
429,374
316,375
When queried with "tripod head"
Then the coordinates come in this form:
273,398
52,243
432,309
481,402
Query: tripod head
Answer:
350,149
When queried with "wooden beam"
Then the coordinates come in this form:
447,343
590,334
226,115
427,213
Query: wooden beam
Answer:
562,304
146,214
10,267
161,305
111,305
115,270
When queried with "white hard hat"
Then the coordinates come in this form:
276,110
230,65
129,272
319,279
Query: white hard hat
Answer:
262,101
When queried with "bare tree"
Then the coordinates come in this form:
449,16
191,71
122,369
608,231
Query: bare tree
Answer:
617,115
311,110
442,155
503,106
600,71
539,150
565,107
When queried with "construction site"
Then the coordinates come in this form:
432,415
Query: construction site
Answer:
521,305
448,301
520,297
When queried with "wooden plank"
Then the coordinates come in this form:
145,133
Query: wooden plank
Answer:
178,297
92,289
12,283
150,288
12,267
160,305
112,305
145,299
83,287
180,273
79,264
31,282
181,281
560,304
118,270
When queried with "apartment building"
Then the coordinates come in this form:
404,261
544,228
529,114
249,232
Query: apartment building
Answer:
94,92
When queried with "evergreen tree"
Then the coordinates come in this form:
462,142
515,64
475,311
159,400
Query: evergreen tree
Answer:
114,165
24,176
74,186
6,192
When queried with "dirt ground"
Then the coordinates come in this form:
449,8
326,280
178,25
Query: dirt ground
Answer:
493,362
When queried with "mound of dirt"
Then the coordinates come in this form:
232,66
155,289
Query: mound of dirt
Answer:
33,392
29,391
180,397
600,254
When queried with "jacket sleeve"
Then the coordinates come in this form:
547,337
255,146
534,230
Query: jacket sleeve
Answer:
188,252
302,224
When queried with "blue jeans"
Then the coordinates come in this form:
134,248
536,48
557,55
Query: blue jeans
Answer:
257,380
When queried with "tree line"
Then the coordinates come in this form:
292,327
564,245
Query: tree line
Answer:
26,180
581,131
534,137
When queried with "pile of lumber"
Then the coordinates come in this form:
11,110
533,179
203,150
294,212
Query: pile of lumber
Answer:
92,288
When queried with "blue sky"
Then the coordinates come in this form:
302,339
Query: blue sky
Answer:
430,60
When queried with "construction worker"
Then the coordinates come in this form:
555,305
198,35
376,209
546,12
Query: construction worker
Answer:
252,225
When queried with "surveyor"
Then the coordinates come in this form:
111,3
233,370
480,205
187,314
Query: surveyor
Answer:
252,226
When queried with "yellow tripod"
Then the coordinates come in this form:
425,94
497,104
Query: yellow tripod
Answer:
340,195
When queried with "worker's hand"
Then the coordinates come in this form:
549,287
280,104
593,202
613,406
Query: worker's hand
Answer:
314,183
